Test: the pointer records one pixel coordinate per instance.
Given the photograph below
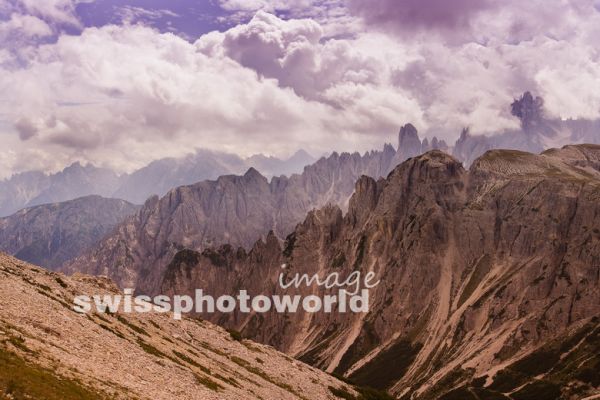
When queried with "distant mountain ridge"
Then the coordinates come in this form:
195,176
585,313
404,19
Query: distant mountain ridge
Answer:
34,188
51,234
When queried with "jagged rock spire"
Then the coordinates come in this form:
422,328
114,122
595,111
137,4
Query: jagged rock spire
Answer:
528,109
409,144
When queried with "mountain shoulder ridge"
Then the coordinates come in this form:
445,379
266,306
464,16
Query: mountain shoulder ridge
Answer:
573,161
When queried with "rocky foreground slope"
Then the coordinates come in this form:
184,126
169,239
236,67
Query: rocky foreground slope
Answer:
51,234
490,278
48,351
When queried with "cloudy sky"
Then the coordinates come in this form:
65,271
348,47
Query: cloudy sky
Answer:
122,82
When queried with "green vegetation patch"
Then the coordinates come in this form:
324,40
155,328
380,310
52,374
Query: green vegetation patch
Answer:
259,372
538,362
212,349
235,335
209,383
461,393
190,361
446,385
154,324
341,393
367,393
62,283
18,342
22,380
132,326
229,380
364,393
486,394
113,331
148,348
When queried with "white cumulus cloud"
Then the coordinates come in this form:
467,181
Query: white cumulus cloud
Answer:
122,96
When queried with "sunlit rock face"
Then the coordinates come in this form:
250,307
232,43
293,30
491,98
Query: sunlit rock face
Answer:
482,270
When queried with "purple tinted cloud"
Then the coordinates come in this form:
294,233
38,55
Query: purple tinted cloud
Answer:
409,15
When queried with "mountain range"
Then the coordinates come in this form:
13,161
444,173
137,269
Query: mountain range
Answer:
34,188
232,209
489,259
489,285
161,176
238,210
489,278
537,132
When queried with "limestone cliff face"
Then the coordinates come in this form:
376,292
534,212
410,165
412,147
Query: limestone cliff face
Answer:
490,278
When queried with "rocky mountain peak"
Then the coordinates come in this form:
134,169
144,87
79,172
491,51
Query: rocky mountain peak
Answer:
435,165
529,110
300,155
365,198
252,175
407,132
409,143
74,166
388,149
151,201
271,239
